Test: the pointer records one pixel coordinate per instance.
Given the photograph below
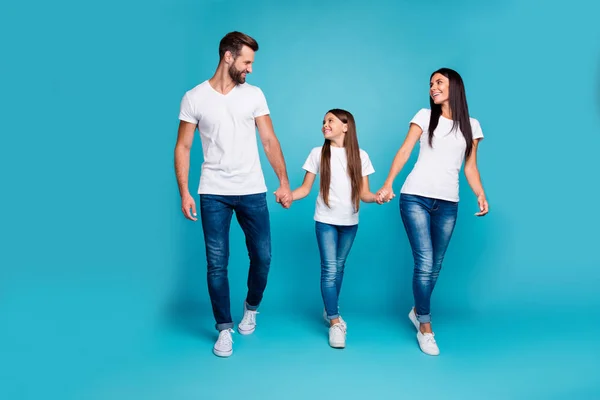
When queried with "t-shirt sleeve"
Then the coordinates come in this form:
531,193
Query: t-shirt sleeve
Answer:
367,167
476,130
313,162
421,119
186,110
261,107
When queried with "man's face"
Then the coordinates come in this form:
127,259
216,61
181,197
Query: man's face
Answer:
242,65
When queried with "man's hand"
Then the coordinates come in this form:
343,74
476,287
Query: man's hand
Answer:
187,203
283,196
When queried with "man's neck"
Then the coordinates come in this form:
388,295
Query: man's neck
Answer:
221,81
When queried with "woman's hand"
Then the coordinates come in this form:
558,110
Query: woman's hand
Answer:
483,205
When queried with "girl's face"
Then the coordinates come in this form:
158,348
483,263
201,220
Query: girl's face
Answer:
333,128
439,88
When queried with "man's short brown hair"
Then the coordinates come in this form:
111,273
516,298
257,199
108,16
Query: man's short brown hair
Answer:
234,41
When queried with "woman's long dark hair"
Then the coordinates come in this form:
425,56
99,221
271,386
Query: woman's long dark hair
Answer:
352,154
458,106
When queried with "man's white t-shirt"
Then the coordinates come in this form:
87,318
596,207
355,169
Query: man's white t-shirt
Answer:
435,173
228,133
341,210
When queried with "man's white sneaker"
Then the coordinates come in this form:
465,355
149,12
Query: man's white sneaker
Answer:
224,345
337,336
427,343
341,320
248,323
413,318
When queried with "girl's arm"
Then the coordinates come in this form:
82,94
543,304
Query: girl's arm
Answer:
402,156
365,193
304,190
472,174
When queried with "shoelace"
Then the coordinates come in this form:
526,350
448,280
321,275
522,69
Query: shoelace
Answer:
342,321
339,328
429,337
225,337
249,317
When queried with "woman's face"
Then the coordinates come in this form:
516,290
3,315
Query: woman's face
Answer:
439,88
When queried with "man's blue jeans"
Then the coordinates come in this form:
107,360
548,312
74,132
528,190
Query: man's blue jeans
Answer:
252,214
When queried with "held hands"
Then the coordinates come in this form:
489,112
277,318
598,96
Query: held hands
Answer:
483,206
384,195
283,196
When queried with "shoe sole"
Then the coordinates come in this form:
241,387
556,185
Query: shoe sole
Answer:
223,354
429,354
248,332
337,345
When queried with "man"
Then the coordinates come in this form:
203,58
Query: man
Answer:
227,111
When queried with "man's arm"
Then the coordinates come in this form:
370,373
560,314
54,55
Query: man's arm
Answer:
275,156
185,137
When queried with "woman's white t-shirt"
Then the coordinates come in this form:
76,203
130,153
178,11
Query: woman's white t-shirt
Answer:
435,173
340,210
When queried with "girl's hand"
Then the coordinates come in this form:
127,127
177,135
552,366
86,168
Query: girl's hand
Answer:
483,206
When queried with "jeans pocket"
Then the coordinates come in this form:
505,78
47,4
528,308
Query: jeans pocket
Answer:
256,201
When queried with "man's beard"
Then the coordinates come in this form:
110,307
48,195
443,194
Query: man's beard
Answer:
237,75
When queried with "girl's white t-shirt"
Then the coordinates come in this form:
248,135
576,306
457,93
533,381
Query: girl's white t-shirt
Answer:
435,173
340,210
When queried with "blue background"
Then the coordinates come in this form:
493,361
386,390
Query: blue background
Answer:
102,280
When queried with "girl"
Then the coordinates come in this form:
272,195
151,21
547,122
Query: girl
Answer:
429,197
344,182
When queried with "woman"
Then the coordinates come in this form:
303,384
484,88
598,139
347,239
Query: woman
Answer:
429,197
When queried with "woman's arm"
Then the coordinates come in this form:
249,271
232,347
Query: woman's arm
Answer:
402,156
474,179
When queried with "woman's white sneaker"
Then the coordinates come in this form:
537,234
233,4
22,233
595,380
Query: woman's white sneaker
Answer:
337,336
224,345
341,320
413,318
427,343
